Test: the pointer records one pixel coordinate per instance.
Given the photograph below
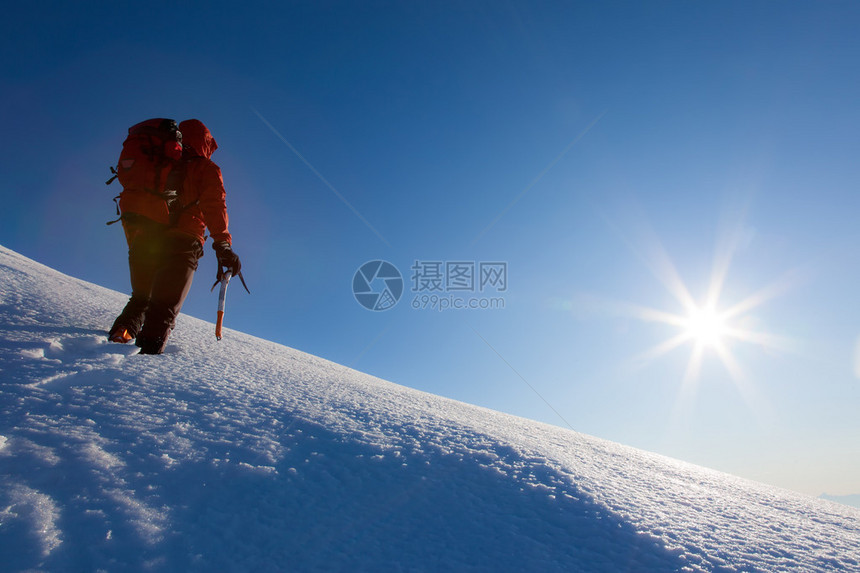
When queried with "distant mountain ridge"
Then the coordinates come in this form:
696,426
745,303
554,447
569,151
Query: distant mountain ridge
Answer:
851,500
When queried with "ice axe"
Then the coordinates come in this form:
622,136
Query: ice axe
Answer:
224,279
222,302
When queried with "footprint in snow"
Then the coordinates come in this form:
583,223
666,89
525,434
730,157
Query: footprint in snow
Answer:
64,361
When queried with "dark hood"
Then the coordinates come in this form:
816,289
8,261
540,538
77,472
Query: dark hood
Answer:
197,136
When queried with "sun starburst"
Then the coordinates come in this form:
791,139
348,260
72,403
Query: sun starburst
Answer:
710,328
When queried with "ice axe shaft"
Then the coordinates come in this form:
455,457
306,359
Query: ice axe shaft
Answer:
222,303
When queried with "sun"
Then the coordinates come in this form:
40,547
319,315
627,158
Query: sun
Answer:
705,326
712,329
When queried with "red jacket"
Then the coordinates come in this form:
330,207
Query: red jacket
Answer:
203,196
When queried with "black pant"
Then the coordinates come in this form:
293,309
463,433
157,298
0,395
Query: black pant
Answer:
162,262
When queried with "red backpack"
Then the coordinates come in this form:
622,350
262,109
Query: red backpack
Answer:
149,155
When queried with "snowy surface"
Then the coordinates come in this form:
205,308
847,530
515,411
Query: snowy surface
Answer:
244,455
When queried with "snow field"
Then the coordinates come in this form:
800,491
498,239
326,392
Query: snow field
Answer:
246,455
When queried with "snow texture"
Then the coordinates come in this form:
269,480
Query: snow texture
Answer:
244,455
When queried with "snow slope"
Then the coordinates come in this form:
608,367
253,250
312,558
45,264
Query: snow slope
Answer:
244,455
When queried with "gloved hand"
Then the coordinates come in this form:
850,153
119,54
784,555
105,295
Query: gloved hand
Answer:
227,259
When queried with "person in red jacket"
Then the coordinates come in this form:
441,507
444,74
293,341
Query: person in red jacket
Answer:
165,241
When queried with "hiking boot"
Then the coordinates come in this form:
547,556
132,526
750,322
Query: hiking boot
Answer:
150,345
120,334
130,320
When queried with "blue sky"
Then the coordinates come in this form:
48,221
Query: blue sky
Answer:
579,143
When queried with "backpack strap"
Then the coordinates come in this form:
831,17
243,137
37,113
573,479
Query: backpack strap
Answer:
115,175
116,202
